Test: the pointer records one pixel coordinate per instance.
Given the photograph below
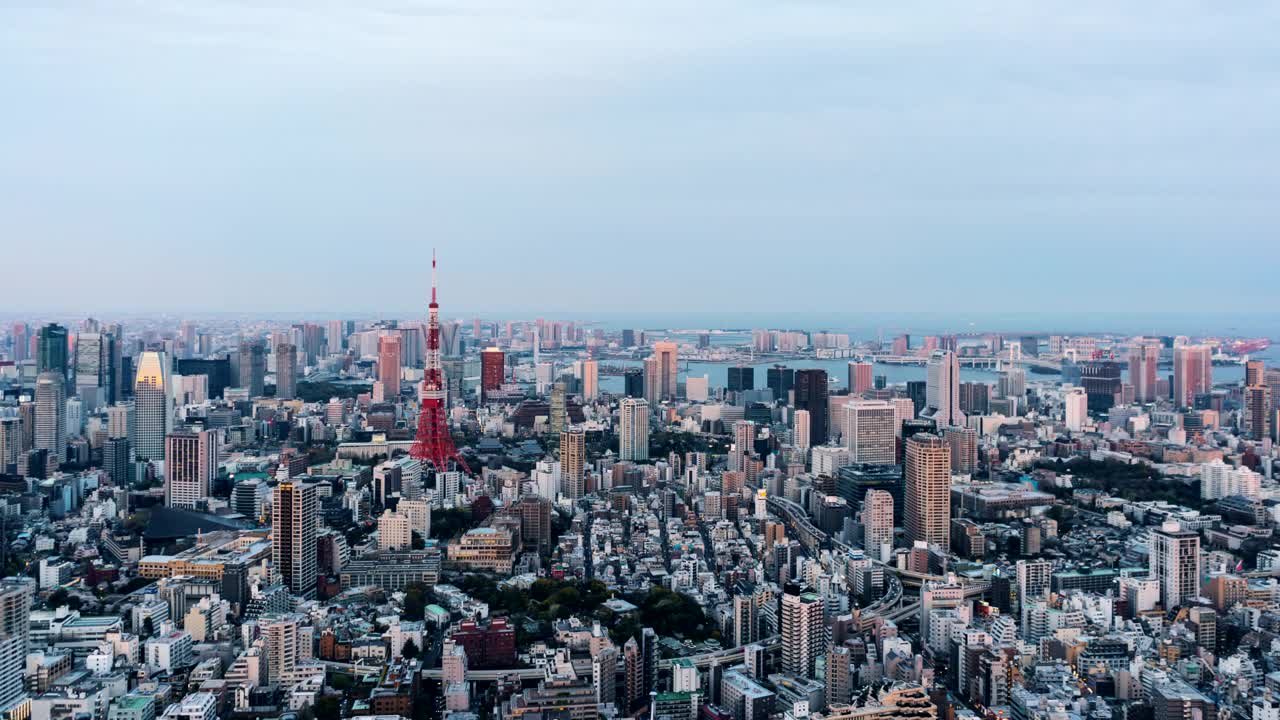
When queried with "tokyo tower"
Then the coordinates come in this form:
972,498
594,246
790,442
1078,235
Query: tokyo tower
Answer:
434,441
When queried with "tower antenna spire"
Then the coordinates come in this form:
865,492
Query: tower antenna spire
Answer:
433,442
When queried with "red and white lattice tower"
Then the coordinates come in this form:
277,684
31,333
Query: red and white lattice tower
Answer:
434,441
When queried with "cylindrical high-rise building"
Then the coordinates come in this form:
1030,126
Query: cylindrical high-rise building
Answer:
927,497
51,415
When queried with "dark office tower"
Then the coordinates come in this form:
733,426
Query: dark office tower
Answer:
493,371
253,366
812,395
781,379
741,377
1030,345
633,382
1257,413
918,391
1101,382
51,352
286,371
115,459
628,338
294,516
975,398
217,370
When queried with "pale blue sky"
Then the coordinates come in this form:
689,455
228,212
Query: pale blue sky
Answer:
664,154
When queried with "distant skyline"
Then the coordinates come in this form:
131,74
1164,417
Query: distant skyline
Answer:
649,158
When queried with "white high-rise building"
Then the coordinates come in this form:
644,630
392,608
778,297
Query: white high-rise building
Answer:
394,532
418,512
942,389
877,524
800,430
633,438
1077,408
153,405
590,380
51,415
15,621
1219,480
191,463
1175,563
803,632
869,431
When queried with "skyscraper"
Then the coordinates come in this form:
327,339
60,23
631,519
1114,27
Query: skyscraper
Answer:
1076,408
741,377
1144,361
803,631
52,349
942,389
590,380
10,443
800,430
92,383
665,372
633,382
927,475
153,405
573,456
294,523
869,431
389,364
812,395
51,415
21,339
1175,563
781,379
493,371
253,367
1257,411
963,443
877,524
1101,382
1255,373
559,418
633,436
286,371
191,462
1192,373
861,378
15,621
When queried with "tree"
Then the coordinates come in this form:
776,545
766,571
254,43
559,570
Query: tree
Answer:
410,649
415,601
329,707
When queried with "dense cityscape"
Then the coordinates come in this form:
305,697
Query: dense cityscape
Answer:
465,518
